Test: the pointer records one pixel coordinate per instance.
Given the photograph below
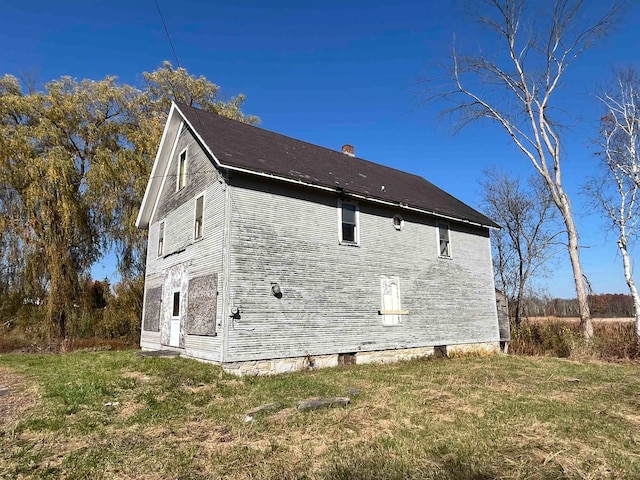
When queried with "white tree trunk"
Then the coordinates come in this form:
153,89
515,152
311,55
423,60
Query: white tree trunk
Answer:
578,277
626,263
562,202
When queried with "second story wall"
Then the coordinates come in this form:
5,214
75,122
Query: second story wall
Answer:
176,210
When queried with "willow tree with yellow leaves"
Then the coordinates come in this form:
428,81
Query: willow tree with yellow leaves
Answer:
76,157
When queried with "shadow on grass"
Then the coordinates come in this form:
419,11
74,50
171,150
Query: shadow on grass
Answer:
451,466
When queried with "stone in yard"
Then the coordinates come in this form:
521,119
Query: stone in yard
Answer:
248,416
315,403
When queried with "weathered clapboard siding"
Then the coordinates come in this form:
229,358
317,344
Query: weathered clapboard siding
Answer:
331,292
199,258
199,170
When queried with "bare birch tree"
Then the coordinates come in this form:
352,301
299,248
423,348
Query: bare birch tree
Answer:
617,192
516,88
527,240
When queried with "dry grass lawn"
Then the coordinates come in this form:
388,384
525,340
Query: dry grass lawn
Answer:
116,415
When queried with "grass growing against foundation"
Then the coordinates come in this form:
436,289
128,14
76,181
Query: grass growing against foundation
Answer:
464,418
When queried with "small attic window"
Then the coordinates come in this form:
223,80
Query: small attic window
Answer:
199,215
161,239
398,222
182,170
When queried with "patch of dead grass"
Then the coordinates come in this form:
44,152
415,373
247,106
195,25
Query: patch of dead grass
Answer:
129,409
632,418
17,395
195,389
282,416
139,376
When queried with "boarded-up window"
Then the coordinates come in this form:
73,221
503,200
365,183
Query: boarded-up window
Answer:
202,305
390,294
152,309
197,229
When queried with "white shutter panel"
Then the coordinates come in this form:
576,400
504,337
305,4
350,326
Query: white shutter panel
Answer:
390,290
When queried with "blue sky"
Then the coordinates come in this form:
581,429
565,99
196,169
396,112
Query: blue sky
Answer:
328,72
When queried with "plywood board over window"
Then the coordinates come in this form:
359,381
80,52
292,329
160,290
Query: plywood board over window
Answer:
152,309
202,305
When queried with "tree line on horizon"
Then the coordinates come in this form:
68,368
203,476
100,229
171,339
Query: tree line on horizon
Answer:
603,305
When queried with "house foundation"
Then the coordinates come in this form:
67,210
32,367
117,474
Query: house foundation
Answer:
287,365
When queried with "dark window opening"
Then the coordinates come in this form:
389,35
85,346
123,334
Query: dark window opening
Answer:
198,222
182,170
161,240
440,351
398,222
176,304
443,238
349,223
347,359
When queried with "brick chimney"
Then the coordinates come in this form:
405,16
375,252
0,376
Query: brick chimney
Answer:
349,150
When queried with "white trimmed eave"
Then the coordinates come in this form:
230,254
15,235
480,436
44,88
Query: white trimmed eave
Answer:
176,117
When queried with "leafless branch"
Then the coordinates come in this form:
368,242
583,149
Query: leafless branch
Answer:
517,89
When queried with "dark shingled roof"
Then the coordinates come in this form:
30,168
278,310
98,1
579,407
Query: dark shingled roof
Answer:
236,144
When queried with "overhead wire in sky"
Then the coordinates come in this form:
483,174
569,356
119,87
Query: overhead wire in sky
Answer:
166,30
175,55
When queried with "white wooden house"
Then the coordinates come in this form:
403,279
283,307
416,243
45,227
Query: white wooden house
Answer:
269,254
